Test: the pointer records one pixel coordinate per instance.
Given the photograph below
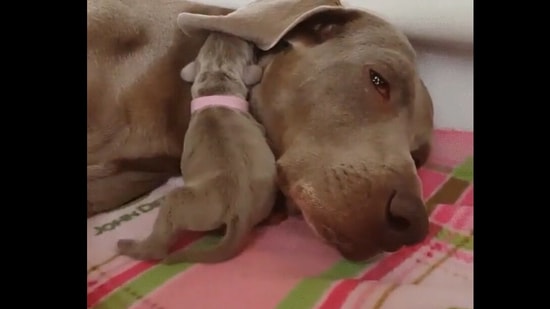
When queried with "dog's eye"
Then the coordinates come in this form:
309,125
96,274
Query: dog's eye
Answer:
381,85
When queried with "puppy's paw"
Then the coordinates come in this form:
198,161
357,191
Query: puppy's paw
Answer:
140,250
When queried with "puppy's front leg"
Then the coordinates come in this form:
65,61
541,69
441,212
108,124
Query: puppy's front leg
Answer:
157,244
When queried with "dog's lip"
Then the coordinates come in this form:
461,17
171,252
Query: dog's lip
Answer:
392,247
348,248
341,243
359,256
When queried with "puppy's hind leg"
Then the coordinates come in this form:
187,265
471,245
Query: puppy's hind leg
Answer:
211,212
185,208
157,244
229,246
196,208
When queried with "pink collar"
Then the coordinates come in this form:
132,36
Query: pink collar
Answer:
229,101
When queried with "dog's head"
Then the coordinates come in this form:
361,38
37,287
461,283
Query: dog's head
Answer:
338,99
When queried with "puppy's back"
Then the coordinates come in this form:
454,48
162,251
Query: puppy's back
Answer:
232,141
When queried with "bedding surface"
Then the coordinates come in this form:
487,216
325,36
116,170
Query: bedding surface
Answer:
287,267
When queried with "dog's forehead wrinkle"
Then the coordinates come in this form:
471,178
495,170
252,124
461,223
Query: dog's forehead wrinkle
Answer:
383,37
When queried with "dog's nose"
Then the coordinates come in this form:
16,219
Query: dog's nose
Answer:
406,221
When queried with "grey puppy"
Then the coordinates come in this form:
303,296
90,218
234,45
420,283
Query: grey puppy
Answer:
229,169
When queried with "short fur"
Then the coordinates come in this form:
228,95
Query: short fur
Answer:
230,175
346,144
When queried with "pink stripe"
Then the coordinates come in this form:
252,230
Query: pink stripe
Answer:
467,198
340,293
461,219
431,181
464,256
335,284
443,214
117,281
461,254
105,272
454,218
378,271
122,278
258,277
452,147
399,278
361,300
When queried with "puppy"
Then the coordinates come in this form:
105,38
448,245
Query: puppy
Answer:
229,169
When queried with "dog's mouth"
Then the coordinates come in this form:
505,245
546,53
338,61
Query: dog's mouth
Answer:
349,249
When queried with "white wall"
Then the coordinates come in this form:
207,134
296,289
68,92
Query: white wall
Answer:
449,79
442,33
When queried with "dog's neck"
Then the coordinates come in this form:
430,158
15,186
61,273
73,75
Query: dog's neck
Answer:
229,101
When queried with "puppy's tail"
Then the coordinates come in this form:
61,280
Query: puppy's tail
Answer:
232,243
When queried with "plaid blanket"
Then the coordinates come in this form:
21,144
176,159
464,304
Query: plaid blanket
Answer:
286,267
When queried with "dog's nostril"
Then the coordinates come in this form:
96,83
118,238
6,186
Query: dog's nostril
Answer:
406,220
395,220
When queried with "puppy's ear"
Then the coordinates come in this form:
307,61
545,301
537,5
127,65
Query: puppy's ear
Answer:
252,74
189,72
321,27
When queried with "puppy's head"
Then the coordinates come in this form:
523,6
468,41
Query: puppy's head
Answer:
225,65
338,98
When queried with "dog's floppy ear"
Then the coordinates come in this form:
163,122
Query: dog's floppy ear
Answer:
266,22
252,74
189,72
321,27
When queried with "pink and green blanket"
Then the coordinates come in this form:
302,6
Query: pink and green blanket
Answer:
286,267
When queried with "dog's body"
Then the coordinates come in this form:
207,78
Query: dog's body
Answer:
230,175
340,98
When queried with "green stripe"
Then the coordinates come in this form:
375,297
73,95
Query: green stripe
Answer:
145,283
308,292
465,242
465,171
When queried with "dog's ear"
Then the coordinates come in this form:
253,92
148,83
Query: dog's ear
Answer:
189,72
266,22
252,74
321,27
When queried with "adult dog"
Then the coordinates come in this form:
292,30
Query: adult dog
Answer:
345,110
